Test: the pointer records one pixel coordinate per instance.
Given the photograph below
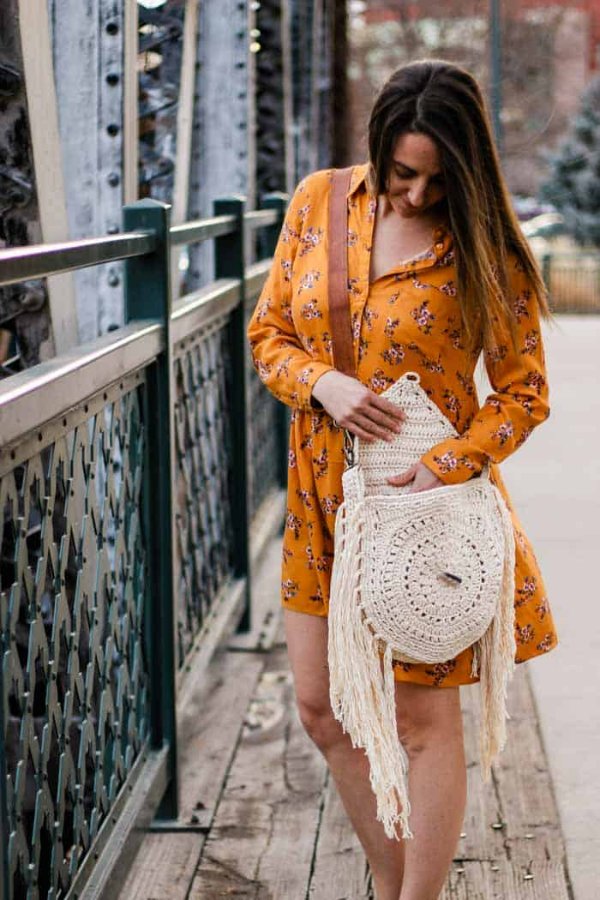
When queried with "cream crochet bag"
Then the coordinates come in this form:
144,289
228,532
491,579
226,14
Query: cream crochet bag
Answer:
418,577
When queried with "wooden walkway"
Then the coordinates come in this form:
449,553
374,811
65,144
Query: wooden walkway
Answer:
261,819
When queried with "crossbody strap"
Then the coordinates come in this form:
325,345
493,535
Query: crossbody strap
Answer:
339,307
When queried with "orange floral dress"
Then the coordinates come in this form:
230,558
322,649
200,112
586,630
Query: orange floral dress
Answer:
408,319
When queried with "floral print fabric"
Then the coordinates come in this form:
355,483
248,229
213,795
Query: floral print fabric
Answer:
408,319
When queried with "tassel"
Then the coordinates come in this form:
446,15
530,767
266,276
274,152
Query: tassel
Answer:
498,649
362,697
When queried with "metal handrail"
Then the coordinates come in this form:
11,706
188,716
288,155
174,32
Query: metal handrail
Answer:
261,218
38,395
201,307
38,260
202,229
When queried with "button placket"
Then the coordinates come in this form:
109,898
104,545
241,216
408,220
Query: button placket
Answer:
364,225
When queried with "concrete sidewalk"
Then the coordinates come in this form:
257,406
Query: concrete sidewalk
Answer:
554,481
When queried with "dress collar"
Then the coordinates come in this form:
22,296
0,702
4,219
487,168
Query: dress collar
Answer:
359,178
441,235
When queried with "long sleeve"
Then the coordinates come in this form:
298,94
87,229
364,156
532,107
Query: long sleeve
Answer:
519,402
283,364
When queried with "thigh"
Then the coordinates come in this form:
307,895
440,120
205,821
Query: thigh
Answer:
306,638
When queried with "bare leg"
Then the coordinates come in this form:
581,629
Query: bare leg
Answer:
307,648
430,726
349,768
430,723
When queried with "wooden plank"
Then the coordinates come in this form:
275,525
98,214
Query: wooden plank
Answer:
164,867
209,731
505,881
481,840
45,141
270,803
519,796
339,858
266,612
524,785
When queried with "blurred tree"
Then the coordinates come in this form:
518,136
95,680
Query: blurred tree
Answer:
574,182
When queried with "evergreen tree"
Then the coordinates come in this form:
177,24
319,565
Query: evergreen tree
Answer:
574,183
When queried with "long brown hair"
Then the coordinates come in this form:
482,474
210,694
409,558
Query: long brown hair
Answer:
444,102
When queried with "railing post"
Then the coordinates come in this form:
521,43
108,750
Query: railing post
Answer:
230,262
547,270
279,201
148,295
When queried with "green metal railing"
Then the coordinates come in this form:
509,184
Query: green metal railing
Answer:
131,470
572,278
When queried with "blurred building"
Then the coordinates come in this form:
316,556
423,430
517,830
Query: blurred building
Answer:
549,53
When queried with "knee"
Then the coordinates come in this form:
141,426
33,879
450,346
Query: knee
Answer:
319,722
419,732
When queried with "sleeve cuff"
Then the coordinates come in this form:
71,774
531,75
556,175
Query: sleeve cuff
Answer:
309,378
449,465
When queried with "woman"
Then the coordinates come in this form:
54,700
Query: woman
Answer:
438,271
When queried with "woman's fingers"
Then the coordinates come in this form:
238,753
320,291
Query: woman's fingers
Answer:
387,407
360,432
422,478
369,427
356,407
383,419
379,417
403,478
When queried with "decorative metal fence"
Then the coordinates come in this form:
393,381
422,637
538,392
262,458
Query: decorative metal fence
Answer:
127,495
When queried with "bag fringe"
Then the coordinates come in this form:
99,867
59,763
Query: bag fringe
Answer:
363,698
497,654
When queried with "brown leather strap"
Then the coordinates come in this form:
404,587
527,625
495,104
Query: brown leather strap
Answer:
339,307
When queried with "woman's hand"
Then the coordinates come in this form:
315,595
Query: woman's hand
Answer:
355,407
423,478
